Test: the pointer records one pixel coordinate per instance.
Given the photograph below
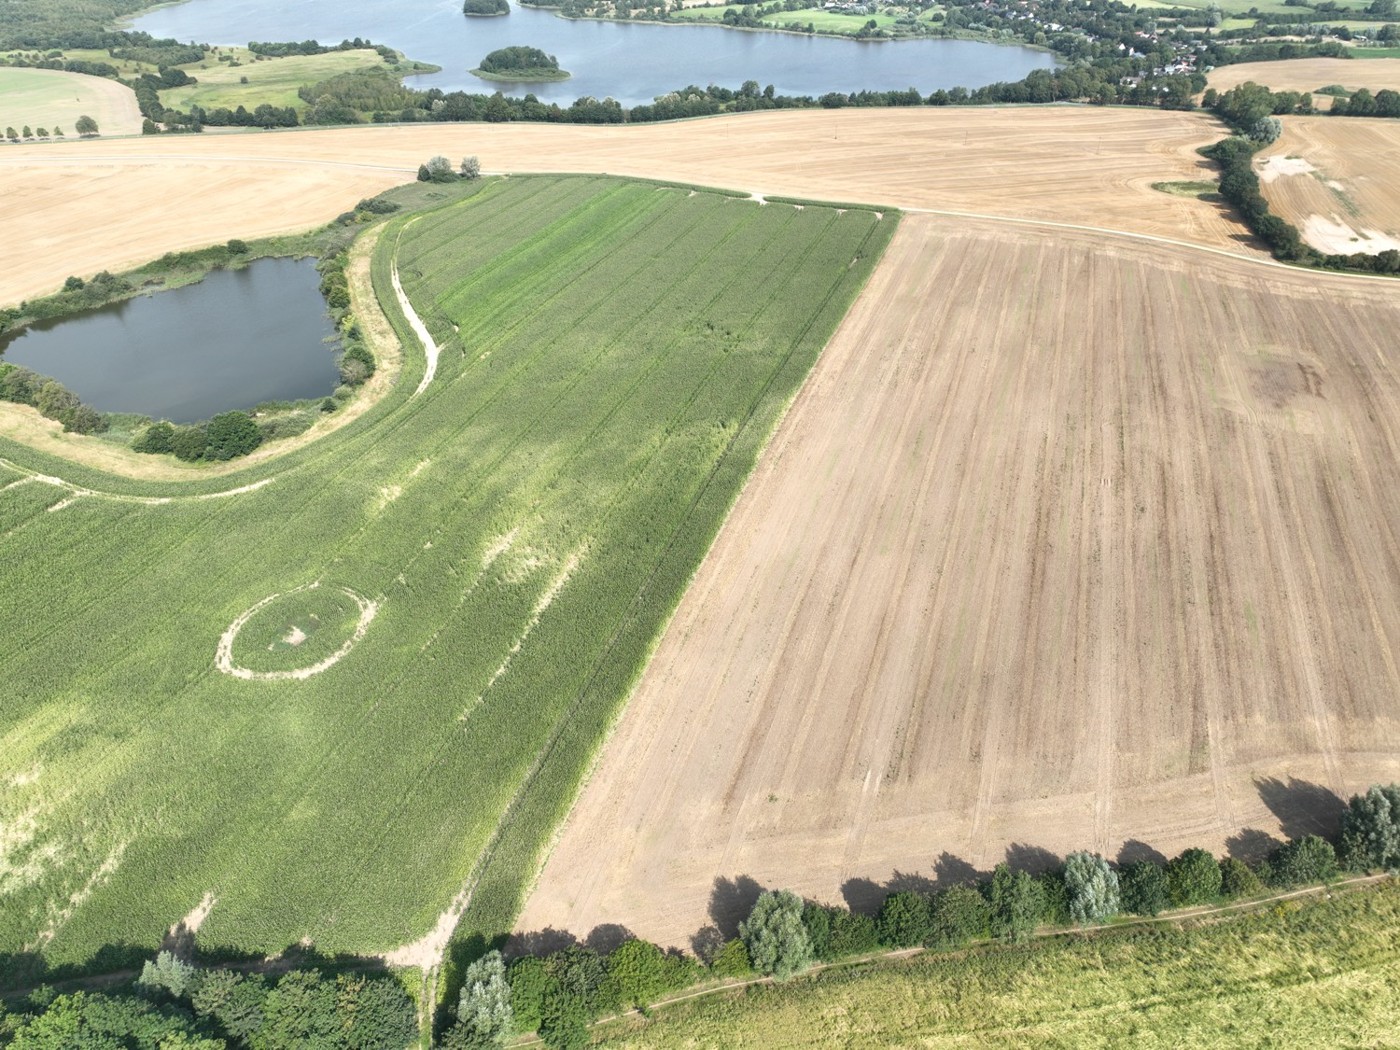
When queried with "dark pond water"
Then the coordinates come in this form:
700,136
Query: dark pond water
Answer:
631,63
238,338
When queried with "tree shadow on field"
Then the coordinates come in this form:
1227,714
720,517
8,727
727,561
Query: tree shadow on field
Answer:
1031,859
1251,845
1302,808
950,871
730,903
606,938
863,895
538,942
706,943
1134,850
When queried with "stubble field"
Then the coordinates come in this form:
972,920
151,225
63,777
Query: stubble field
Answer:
1338,180
1068,543
88,206
1309,74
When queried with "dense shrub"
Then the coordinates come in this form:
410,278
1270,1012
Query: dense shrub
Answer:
732,960
154,439
904,920
1015,902
189,443
231,434
1193,878
958,915
1144,888
1308,859
1370,836
775,936
1237,879
1093,888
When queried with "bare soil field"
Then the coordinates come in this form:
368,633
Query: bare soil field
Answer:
81,207
1338,180
50,98
1309,74
1068,542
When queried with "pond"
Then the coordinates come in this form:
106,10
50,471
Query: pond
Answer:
234,340
630,62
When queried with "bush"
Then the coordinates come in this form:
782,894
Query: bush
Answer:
437,169
484,1014
732,960
1016,904
1370,835
356,364
1145,889
1237,879
154,439
529,981
851,934
1302,861
235,1002
904,920
1093,888
774,935
958,915
1193,878
289,424
237,247
189,443
1054,897
231,434
168,974
640,970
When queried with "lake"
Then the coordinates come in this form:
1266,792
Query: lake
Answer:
234,340
632,63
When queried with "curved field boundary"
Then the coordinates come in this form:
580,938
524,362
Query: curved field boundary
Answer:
77,491
430,347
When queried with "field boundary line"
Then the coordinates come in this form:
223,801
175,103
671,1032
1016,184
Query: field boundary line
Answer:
1204,911
1153,239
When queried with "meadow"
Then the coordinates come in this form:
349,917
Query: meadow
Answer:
50,99
614,356
1312,973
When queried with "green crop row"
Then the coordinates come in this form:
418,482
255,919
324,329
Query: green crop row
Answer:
614,355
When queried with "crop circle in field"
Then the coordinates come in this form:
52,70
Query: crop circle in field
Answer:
296,634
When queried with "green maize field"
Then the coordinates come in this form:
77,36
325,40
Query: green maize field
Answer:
614,355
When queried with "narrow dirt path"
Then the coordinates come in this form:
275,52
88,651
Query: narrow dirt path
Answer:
430,347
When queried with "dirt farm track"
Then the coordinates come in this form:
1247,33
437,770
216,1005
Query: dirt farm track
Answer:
1071,540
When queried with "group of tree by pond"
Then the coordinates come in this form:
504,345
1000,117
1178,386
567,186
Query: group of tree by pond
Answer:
1253,111
227,435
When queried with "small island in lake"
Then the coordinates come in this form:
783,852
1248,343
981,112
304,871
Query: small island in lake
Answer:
485,8
520,63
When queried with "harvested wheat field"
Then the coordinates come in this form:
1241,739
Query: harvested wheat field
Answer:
1309,74
82,207
1338,180
1068,542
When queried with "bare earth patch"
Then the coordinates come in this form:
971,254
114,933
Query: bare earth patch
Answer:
1349,198
1068,542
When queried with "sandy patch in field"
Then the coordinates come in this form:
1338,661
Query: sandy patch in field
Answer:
1279,167
1333,235
51,98
1068,542
1354,190
1309,74
80,207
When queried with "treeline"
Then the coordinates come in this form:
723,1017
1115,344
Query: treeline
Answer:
560,994
176,1004
1361,103
314,47
1253,111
